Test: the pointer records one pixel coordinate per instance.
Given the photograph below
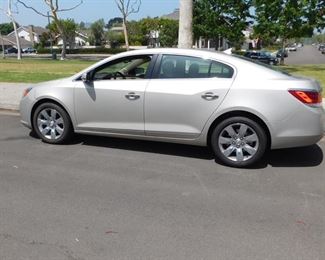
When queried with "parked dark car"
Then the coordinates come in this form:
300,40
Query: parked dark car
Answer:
321,48
11,50
262,56
280,52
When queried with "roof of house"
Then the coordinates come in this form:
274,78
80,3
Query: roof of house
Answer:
40,30
173,16
11,40
36,29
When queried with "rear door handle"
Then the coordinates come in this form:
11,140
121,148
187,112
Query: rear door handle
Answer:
132,96
209,96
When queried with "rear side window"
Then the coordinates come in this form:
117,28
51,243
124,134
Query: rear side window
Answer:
179,67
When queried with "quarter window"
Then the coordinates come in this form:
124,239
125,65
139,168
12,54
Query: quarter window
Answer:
173,66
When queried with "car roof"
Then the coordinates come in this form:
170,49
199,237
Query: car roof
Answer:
231,60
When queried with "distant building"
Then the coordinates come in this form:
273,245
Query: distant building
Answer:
31,34
172,16
81,39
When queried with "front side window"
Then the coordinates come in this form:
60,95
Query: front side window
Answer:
174,66
126,68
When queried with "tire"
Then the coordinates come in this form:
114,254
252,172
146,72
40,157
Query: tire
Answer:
52,124
239,142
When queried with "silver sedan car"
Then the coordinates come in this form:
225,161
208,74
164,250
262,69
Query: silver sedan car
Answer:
238,107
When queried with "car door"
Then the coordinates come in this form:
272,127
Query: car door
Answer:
183,94
112,99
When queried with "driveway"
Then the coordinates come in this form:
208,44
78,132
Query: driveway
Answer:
105,198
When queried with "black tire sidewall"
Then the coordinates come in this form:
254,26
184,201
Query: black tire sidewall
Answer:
263,141
67,132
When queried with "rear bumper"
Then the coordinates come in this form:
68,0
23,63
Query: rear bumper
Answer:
304,128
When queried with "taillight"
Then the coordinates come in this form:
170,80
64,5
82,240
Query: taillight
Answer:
307,97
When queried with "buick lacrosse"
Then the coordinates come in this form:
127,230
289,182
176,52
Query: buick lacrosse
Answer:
238,107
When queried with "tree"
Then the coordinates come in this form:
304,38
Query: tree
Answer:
126,8
6,28
114,21
53,13
82,25
14,24
168,30
67,30
286,19
218,18
97,32
185,36
115,39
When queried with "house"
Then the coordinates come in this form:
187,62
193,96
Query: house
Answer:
10,41
81,39
31,34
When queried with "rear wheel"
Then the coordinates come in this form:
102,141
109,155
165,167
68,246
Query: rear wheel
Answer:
52,123
239,142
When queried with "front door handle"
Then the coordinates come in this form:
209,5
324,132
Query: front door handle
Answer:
209,96
132,96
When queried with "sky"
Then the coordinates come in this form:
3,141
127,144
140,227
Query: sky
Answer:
89,11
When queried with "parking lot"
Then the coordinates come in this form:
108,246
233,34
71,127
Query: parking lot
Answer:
105,198
307,55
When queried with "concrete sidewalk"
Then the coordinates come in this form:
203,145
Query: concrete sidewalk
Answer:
11,93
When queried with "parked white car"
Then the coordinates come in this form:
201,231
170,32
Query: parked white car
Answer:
238,107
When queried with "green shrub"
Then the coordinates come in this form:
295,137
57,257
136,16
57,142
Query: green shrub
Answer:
241,53
100,50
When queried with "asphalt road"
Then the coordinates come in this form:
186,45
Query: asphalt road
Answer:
104,198
307,55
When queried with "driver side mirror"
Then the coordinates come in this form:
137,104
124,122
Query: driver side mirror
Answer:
86,77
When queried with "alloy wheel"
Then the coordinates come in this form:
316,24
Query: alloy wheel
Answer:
238,142
50,123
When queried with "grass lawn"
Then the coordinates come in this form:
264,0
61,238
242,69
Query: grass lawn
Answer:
37,70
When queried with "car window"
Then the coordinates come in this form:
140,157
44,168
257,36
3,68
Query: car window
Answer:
135,67
174,66
220,70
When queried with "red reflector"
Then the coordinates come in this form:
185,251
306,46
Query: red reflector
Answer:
307,97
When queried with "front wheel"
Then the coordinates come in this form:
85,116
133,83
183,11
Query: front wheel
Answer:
239,142
52,123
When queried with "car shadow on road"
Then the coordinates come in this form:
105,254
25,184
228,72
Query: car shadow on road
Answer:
146,146
295,157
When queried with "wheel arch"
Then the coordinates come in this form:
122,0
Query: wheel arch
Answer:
243,114
49,100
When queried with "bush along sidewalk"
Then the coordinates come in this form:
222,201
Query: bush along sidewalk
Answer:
100,50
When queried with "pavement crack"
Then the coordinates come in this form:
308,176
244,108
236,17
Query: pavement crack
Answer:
64,250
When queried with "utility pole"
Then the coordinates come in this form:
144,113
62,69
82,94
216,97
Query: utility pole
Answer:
9,14
185,38
3,46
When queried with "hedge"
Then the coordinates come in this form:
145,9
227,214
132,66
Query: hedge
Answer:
83,51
